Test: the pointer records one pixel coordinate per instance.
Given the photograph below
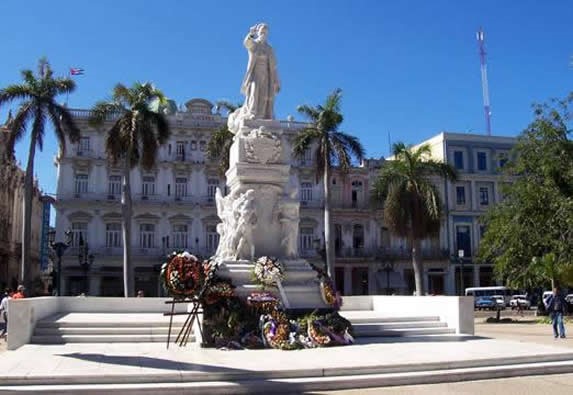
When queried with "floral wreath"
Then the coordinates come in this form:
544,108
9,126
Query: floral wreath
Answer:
268,271
329,294
183,274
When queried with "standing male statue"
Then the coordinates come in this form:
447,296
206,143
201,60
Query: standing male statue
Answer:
261,82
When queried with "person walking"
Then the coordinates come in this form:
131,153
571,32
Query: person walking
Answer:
4,311
556,307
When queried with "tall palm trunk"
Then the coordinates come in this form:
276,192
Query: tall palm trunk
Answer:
128,286
417,264
27,214
328,245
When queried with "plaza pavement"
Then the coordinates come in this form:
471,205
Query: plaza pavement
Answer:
148,364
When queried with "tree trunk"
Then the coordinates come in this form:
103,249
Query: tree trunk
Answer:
417,264
27,215
128,286
328,244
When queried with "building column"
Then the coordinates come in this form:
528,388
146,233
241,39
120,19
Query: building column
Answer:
372,285
425,281
347,280
95,282
476,275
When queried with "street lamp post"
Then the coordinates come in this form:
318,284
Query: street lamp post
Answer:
85,259
59,248
387,267
461,258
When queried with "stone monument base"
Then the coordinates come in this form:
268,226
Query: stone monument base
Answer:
299,290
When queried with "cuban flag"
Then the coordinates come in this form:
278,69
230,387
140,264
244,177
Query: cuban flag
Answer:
76,71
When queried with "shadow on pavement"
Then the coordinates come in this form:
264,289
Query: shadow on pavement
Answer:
148,362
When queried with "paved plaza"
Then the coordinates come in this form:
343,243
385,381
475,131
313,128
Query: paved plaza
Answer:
147,365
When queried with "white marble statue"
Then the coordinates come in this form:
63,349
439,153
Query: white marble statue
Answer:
261,81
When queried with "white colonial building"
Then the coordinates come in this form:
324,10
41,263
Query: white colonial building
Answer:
174,208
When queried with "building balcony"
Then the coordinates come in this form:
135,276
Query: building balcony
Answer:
153,198
85,153
185,199
399,253
318,203
355,205
206,200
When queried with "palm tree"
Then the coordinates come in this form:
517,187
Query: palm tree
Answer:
332,148
133,139
221,140
412,204
38,95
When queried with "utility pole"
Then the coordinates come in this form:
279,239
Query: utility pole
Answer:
484,86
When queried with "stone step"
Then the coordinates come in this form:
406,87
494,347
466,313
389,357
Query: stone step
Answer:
401,325
106,324
380,331
175,383
385,319
108,338
118,330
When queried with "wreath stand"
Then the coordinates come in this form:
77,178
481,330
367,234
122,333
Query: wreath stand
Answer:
192,315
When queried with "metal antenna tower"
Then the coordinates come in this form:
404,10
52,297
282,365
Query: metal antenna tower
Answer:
482,55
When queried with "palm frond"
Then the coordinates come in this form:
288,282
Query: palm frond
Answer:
333,101
304,140
21,119
226,105
14,92
309,112
103,111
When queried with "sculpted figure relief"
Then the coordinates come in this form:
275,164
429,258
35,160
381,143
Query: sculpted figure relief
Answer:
289,219
245,215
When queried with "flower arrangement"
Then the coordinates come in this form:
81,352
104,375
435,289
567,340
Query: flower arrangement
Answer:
183,274
264,302
329,294
268,271
217,290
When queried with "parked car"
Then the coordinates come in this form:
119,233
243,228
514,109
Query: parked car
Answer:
485,303
569,298
499,300
519,301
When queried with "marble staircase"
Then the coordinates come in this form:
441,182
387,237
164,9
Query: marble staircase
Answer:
106,328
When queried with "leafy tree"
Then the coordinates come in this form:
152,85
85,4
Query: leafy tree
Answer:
538,206
221,140
332,148
133,139
412,204
38,106
529,236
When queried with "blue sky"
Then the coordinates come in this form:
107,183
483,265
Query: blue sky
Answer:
408,68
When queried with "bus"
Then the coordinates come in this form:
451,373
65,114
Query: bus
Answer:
490,291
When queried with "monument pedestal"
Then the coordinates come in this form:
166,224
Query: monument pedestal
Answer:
260,215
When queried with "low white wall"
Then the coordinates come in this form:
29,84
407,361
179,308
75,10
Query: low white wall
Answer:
456,311
24,313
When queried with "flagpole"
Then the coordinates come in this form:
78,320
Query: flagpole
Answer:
68,92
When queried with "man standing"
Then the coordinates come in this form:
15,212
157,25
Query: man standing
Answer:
4,311
556,306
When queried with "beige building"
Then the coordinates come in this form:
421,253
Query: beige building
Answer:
174,208
11,199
